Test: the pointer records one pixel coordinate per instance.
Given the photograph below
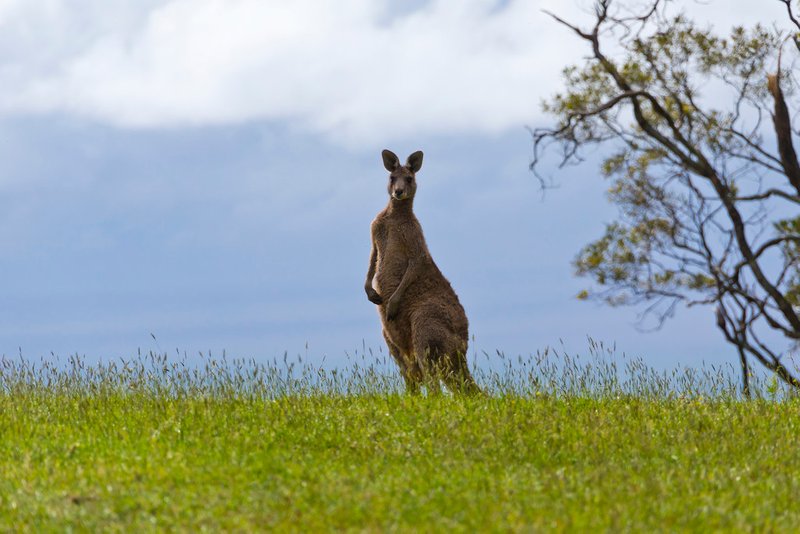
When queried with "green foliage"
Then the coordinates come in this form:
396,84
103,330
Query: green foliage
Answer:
623,258
673,63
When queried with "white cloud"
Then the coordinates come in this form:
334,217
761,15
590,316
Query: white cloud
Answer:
349,69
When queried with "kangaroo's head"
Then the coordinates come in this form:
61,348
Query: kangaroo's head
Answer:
402,184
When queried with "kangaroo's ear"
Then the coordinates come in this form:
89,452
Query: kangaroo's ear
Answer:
390,160
414,161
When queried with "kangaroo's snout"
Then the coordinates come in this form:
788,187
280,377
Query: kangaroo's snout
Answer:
401,188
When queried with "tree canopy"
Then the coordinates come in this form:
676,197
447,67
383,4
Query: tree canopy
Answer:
699,136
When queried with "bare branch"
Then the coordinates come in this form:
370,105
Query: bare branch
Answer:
788,4
767,194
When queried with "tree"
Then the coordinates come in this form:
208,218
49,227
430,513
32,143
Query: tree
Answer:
699,139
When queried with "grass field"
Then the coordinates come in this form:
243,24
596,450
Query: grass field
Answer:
154,445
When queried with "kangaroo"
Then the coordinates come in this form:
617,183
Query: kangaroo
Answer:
424,324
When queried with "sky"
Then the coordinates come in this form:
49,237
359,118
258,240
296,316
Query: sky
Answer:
200,175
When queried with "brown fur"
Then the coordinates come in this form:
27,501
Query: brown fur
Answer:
424,324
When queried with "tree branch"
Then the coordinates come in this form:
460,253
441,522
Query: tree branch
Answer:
788,4
783,130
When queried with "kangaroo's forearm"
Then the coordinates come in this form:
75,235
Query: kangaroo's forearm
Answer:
409,276
372,295
373,262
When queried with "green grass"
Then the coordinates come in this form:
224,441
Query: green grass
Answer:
156,446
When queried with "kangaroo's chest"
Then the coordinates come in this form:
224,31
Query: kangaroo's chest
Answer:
396,244
400,241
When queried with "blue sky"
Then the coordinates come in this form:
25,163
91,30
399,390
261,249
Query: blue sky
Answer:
206,172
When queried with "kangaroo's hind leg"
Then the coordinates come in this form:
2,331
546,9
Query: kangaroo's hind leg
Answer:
456,373
409,368
445,358
428,353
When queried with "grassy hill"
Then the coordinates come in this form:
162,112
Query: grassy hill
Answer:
153,445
